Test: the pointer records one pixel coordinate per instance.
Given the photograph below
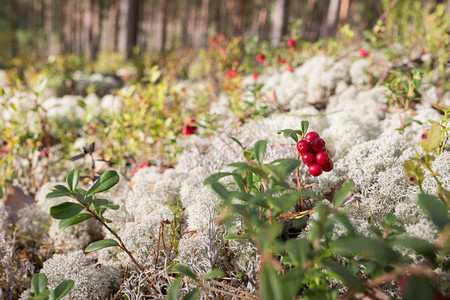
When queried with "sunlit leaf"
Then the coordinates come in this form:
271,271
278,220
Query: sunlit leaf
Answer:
72,179
106,181
65,210
101,244
61,290
73,220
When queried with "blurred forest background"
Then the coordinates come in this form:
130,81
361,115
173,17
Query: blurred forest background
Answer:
39,28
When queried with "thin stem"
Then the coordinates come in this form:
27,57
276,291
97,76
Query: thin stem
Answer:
299,185
119,240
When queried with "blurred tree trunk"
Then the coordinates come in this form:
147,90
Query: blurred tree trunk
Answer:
331,21
185,16
279,21
343,12
164,25
239,20
203,24
48,19
13,27
128,26
97,28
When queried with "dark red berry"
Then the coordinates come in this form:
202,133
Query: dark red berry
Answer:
311,136
328,166
304,146
315,170
318,145
322,158
308,158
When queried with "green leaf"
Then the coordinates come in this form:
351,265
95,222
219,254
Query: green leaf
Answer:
298,251
73,220
260,150
237,142
214,273
418,287
344,275
435,209
106,181
342,193
58,191
431,138
101,244
39,283
304,126
216,177
290,133
185,271
65,210
279,169
221,190
365,247
272,287
61,290
413,171
344,220
235,236
72,179
100,202
192,295
419,246
174,289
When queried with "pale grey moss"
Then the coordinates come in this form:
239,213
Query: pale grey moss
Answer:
359,73
90,282
3,217
71,238
441,165
32,221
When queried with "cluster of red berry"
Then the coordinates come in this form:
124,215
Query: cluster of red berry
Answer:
314,154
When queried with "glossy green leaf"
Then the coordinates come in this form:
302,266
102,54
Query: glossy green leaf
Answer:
341,195
101,244
192,295
235,236
304,126
418,287
214,273
298,251
290,133
279,169
260,150
58,191
216,177
100,202
61,290
185,271
106,181
344,275
39,283
65,210
418,245
174,289
431,138
435,209
73,220
72,179
364,247
272,287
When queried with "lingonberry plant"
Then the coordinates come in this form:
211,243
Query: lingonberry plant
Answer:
88,206
41,292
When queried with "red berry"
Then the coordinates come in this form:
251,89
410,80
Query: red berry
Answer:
318,145
308,158
304,146
260,58
291,43
315,170
310,136
322,158
328,166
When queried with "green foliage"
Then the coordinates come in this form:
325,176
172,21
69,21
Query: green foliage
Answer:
70,212
309,264
39,290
